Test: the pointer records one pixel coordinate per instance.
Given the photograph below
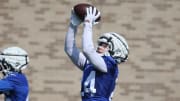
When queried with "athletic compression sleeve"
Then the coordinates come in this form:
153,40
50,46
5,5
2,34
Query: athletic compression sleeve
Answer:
71,50
89,50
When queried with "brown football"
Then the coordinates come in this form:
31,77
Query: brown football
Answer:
80,11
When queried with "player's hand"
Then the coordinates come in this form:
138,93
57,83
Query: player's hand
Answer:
92,15
75,21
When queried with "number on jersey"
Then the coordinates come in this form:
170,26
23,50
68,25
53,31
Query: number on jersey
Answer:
91,82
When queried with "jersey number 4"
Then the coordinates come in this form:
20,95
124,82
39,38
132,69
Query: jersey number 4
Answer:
89,84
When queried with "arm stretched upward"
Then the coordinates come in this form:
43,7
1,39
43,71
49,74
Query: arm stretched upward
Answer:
71,49
89,50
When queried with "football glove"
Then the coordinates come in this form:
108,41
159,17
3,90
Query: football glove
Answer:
92,15
75,21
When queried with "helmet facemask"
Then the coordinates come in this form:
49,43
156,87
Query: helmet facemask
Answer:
105,44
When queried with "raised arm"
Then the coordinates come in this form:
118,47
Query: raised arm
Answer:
70,46
87,41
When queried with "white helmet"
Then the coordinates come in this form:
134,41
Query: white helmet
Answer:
13,59
118,47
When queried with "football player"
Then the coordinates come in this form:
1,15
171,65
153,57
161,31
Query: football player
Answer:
14,84
99,65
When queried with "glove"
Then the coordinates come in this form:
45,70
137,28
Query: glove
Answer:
75,21
91,15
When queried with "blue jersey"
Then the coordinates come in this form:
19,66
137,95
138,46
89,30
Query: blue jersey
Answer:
15,87
96,85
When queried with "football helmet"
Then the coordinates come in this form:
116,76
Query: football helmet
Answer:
13,59
118,47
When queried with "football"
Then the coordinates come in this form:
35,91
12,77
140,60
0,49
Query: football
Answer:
80,11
